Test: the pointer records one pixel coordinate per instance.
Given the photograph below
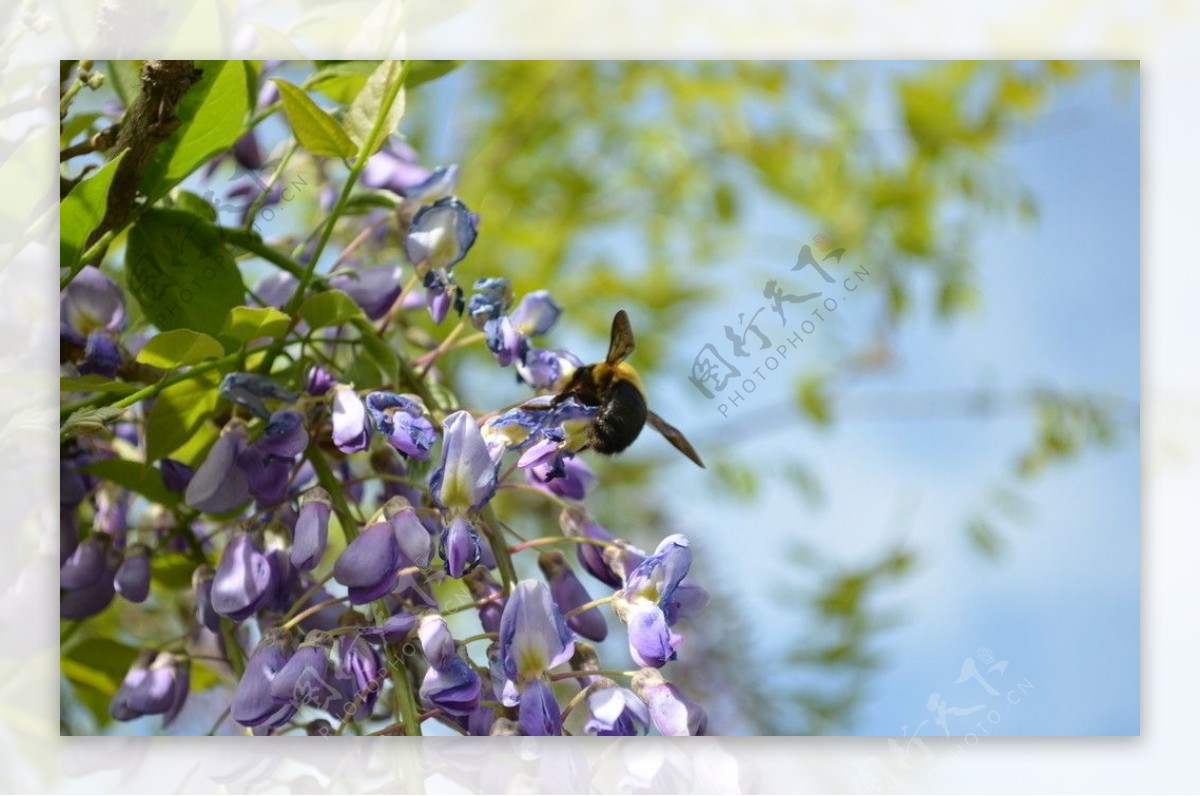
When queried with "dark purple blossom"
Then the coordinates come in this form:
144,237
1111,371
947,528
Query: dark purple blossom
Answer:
569,594
243,579
253,705
219,485
367,567
132,580
312,528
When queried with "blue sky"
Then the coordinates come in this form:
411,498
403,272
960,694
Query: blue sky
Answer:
1060,309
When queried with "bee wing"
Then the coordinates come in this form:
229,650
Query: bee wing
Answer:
620,344
674,436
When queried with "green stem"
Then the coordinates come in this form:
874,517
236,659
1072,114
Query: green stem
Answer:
547,540
590,673
407,711
155,389
251,242
94,251
257,204
579,609
508,573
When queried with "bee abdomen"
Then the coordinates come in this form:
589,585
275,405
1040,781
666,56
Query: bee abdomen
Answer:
620,419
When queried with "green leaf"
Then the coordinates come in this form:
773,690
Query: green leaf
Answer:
89,420
813,398
195,204
99,663
251,323
316,130
181,273
179,412
172,570
425,71
378,108
330,308
137,477
341,81
94,382
177,348
212,114
82,210
379,352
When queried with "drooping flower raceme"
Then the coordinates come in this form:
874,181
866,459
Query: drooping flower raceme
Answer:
654,598
464,481
534,639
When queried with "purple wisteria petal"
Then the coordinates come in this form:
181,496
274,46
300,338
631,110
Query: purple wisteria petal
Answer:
220,486
576,522
416,545
483,587
367,567
91,302
467,475
403,421
436,642
671,711
571,478
538,713
459,547
616,711
687,600
542,369
351,431
536,313
119,707
362,667
439,299
304,679
91,599
277,289
651,640
68,533
394,168
490,299
318,381
266,475
505,341
654,580
132,580
284,435
242,580
176,475
440,235
252,703
205,614
84,566
312,528
455,689
533,634
479,723
441,182
568,594
252,391
375,290
101,355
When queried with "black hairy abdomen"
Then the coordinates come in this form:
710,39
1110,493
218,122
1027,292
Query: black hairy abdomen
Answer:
620,419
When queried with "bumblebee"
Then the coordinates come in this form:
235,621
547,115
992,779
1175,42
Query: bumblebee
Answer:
615,387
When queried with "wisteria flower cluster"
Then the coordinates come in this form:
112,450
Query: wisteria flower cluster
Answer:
349,569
